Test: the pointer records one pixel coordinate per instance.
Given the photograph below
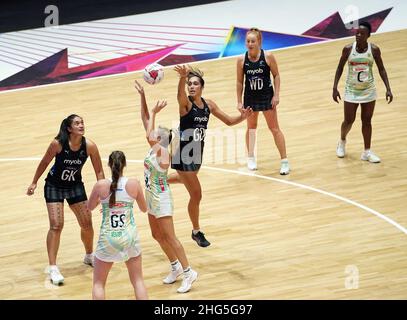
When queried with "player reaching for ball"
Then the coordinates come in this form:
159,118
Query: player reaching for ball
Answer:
194,112
159,197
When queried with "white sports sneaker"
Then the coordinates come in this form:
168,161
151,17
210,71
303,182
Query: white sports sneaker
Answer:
285,167
369,156
340,149
251,163
55,275
189,278
173,275
89,259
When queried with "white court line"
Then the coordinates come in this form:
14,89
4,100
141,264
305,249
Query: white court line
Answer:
329,194
295,184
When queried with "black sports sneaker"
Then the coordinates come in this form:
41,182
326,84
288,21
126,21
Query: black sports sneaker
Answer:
200,239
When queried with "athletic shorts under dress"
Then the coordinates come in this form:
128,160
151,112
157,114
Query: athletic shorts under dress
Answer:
64,180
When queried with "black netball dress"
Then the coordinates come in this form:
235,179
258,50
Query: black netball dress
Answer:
192,130
258,88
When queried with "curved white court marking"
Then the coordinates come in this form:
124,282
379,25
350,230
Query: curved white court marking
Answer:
295,184
329,194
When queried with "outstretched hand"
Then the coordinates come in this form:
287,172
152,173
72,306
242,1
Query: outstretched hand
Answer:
159,106
182,70
138,87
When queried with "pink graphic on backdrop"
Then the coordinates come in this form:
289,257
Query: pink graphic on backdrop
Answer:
137,63
55,68
333,27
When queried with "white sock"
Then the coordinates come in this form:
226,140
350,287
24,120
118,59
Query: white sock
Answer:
187,269
195,231
284,160
52,267
174,265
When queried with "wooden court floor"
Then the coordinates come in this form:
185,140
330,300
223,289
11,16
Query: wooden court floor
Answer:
272,237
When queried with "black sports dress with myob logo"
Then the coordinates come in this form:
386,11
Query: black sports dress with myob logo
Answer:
258,89
192,130
64,180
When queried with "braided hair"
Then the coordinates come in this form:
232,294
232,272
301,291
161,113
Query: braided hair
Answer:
117,162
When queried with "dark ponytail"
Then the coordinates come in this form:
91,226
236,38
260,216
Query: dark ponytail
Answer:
63,134
117,161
